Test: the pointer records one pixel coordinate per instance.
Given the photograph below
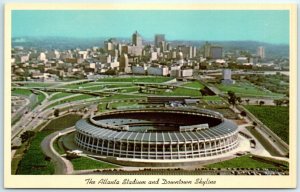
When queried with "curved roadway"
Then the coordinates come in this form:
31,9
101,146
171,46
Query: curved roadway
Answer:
62,165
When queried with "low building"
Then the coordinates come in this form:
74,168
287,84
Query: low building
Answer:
159,71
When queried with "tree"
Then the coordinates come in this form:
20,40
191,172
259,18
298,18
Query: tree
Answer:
286,101
243,114
247,101
278,102
56,113
232,98
261,103
27,135
239,99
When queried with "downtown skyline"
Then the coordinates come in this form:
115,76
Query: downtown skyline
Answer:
263,26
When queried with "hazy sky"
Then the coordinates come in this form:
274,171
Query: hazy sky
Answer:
266,26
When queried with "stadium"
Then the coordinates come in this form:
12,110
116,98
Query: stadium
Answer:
157,135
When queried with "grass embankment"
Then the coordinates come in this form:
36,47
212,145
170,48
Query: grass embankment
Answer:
180,91
83,163
39,100
34,162
24,92
60,95
195,84
274,117
246,161
246,89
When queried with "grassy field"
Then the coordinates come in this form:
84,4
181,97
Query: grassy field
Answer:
241,162
118,85
24,92
137,79
83,163
129,89
58,146
275,117
18,157
195,84
60,95
62,122
34,161
245,89
180,91
125,104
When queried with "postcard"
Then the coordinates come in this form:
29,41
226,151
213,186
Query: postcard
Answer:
150,96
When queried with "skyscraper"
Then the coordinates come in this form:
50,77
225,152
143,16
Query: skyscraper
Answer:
158,39
261,52
124,62
137,39
216,52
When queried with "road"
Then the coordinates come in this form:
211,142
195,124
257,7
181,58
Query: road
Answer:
62,166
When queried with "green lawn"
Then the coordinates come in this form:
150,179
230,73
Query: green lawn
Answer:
180,91
83,163
194,84
58,146
275,117
241,162
102,106
118,85
129,89
24,92
62,122
33,162
94,88
245,89
124,104
60,95
137,79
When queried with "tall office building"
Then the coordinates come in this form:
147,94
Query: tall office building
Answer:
207,50
261,52
124,62
158,39
216,52
137,39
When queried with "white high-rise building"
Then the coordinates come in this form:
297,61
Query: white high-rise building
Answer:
227,77
261,52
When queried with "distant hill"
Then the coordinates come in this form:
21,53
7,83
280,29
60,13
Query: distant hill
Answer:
63,43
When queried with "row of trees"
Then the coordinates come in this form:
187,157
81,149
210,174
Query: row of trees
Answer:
233,100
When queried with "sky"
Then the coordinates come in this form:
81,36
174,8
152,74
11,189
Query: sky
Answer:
270,26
